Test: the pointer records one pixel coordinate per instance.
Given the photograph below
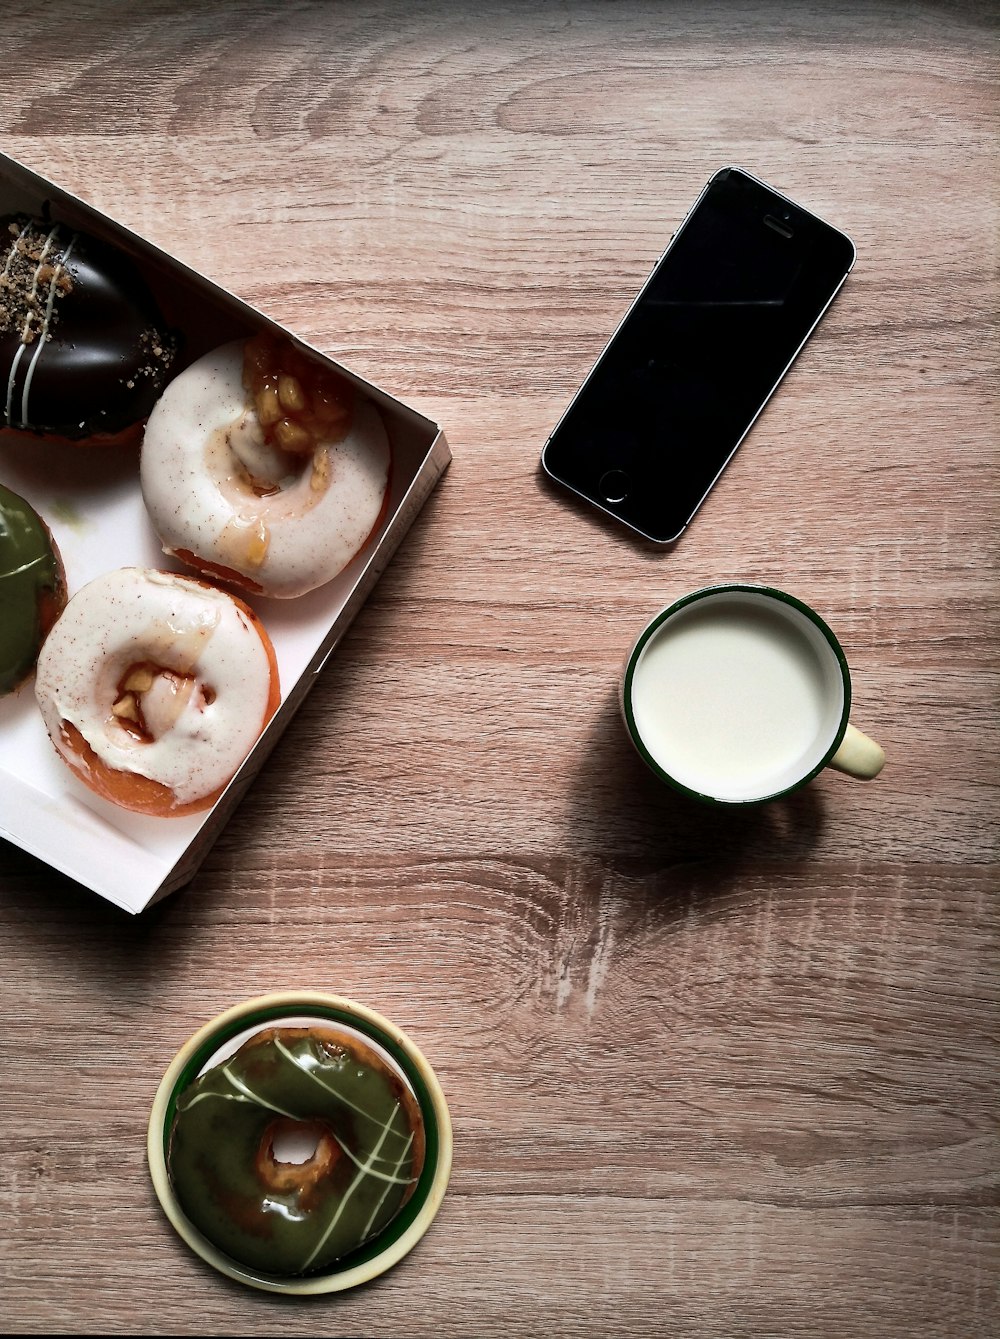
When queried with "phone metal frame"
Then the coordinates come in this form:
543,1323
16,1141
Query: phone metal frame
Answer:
595,502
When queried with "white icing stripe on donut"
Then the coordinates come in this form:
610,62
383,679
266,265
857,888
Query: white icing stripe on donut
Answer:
25,567
10,381
361,1174
249,1093
382,1198
368,1167
43,334
38,271
12,252
218,1097
311,1073
199,499
15,361
135,616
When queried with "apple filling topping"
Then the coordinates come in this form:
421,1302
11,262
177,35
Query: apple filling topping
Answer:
150,699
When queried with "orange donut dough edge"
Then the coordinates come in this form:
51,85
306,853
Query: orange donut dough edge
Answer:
141,794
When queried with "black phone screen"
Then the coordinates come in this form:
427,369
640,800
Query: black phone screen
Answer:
713,331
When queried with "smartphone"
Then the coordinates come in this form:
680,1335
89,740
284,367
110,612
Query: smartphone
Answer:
718,323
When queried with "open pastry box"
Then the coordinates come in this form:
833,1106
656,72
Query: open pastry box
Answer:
90,499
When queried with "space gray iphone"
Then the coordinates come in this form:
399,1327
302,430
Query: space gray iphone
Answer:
703,347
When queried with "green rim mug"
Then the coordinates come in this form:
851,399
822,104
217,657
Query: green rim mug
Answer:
737,694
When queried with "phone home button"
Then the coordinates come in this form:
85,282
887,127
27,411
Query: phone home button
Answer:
614,486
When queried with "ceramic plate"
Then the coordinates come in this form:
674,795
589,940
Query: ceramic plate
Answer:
220,1038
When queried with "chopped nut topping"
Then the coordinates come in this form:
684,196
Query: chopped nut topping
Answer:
31,266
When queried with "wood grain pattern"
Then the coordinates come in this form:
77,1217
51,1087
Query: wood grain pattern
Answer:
711,1074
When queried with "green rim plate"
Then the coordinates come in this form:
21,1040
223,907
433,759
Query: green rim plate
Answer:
416,1216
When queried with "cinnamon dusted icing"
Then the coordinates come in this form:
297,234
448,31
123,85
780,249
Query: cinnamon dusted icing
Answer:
82,351
261,466
154,688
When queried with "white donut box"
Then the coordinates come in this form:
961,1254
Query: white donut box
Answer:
91,501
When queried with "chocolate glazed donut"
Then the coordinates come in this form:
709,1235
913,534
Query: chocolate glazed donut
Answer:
83,352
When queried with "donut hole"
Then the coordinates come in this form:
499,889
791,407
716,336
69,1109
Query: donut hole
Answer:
256,473
265,466
250,462
295,1142
295,1154
151,698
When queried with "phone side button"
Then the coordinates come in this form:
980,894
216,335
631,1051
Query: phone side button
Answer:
614,486
669,244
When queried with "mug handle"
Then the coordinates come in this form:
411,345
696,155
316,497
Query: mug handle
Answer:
858,755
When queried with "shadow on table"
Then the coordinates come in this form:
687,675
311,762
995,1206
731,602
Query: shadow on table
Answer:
80,931
623,816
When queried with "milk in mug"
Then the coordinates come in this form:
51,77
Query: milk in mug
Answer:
738,695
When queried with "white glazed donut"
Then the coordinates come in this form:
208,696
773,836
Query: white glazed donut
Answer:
154,687
224,499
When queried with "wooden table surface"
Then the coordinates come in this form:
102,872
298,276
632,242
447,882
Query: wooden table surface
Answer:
711,1073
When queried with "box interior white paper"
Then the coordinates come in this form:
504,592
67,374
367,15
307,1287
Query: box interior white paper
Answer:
91,501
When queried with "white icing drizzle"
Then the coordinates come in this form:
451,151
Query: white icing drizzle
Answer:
42,335
289,1055
11,253
186,1105
255,1097
25,567
363,1171
391,1181
136,615
10,380
369,1167
12,250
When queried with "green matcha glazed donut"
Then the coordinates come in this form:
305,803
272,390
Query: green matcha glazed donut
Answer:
32,588
316,1084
